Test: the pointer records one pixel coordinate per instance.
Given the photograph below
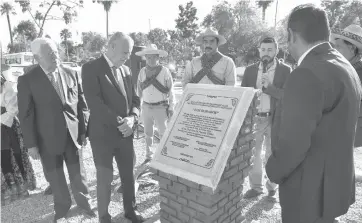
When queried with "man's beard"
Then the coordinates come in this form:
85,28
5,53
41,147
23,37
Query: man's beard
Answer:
267,59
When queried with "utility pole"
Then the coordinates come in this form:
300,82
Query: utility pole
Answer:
276,13
149,24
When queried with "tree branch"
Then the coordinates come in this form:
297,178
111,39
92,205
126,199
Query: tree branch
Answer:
44,19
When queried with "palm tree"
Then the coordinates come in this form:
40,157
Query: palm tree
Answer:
107,7
65,35
264,5
7,9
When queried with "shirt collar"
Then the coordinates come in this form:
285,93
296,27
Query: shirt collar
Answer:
270,68
306,52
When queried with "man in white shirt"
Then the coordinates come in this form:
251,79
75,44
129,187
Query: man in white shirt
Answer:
268,75
155,88
212,67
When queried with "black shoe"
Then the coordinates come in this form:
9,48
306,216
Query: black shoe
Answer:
135,218
251,194
271,193
48,191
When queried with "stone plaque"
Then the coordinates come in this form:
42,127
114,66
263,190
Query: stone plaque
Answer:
201,133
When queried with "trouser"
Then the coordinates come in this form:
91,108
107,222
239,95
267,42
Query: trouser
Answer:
53,165
9,140
103,157
262,137
151,115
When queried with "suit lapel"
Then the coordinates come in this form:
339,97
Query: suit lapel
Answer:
44,77
110,75
64,79
128,84
254,75
277,74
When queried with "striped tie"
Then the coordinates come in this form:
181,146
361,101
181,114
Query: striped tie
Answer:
57,85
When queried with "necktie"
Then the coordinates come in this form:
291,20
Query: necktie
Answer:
57,85
121,82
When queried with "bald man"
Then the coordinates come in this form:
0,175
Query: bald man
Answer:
53,116
114,106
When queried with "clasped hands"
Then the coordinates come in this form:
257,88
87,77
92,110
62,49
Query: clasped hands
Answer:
126,125
265,81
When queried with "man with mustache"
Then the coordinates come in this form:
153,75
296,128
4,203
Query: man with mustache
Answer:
269,75
212,67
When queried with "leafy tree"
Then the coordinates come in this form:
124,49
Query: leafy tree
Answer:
26,30
343,13
65,35
7,9
140,39
186,21
93,42
264,4
68,9
67,50
221,18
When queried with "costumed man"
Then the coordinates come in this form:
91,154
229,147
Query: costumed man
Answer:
114,107
212,67
155,88
268,75
312,158
53,116
349,43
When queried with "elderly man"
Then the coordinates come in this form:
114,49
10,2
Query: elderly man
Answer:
212,67
268,75
349,43
155,87
114,107
312,159
53,117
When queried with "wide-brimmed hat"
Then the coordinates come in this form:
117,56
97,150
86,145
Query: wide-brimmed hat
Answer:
152,49
352,34
210,32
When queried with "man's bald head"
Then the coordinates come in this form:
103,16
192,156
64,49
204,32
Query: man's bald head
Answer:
119,48
45,52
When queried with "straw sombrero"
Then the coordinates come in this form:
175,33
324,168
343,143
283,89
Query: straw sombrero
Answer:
152,49
210,32
352,34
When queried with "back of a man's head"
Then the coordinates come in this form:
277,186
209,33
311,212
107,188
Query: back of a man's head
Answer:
118,37
43,45
310,22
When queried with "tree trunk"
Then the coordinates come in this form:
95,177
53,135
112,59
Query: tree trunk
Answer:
66,48
107,24
264,10
10,32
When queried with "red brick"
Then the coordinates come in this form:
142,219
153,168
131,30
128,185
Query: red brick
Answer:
162,180
240,218
217,214
174,219
236,213
243,165
237,177
177,206
223,217
228,205
206,189
164,214
191,212
237,160
243,140
246,171
233,194
179,187
248,153
184,217
243,148
164,199
188,183
164,175
168,194
204,200
223,202
164,220
230,172
226,220
182,200
168,209
231,210
196,221
236,199
240,189
203,209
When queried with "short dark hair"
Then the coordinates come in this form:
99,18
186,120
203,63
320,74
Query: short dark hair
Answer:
310,22
269,40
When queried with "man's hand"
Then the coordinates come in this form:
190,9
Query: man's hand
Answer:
265,81
34,153
126,127
83,140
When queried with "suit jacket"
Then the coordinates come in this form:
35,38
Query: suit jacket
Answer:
312,160
45,121
106,101
275,90
358,139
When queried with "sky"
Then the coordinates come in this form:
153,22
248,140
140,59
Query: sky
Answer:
133,16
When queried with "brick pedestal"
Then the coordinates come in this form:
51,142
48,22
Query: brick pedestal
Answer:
186,201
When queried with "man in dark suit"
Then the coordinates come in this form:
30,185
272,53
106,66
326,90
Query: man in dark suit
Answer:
114,107
268,75
53,117
312,160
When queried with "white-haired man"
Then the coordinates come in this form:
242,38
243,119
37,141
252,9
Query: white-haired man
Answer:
114,107
212,67
53,116
155,88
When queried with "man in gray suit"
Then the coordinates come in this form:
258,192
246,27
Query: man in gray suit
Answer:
268,75
312,159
